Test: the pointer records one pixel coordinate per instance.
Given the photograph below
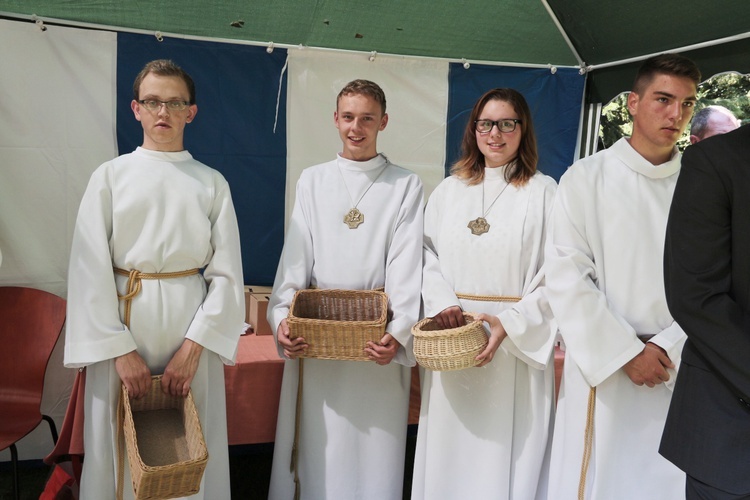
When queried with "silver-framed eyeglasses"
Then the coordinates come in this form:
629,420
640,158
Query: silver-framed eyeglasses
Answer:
155,104
506,125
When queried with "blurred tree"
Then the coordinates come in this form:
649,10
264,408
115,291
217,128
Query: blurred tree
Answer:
731,90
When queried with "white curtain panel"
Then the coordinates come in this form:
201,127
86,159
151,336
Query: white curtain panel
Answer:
57,90
416,92
57,119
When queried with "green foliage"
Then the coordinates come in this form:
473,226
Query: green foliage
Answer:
615,121
731,90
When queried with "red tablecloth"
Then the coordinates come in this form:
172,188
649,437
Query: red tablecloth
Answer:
253,386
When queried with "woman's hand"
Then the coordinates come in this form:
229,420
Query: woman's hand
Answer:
497,335
450,317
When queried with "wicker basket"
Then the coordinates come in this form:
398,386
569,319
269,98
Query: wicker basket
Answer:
164,442
451,349
337,324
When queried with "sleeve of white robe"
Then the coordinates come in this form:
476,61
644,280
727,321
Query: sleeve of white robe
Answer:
295,264
94,331
440,294
598,339
529,323
403,270
672,340
218,322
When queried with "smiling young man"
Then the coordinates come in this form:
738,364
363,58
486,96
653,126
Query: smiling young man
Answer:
605,285
356,224
160,212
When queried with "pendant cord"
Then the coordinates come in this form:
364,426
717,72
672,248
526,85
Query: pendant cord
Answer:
354,205
484,214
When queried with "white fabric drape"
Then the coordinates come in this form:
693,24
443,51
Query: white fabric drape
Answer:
416,93
57,124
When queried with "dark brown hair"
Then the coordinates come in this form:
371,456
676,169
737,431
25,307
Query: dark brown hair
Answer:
471,164
163,67
665,64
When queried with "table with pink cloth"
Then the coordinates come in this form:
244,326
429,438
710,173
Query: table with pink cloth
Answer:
253,386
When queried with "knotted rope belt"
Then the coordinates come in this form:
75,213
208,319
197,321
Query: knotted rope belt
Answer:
134,284
134,288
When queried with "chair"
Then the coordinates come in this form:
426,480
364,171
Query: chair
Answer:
30,323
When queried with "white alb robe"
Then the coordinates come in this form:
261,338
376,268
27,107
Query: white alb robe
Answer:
605,285
483,432
155,212
354,413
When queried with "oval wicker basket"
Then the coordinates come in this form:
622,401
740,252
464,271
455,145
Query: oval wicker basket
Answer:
449,349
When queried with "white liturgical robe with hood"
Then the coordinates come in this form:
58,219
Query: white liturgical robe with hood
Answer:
354,413
605,283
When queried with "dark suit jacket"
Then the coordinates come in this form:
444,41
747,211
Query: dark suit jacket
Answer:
707,279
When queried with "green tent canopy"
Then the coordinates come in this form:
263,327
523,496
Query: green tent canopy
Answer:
606,38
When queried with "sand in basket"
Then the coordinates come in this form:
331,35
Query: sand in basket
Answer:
164,440
161,437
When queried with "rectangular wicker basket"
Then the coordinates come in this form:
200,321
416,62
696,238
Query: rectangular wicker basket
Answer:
164,442
336,324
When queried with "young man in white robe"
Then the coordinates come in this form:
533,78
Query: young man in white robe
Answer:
161,212
605,285
353,417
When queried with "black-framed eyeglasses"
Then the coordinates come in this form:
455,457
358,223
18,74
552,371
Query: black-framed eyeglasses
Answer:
507,125
155,104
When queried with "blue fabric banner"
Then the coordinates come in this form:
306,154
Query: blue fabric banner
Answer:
236,92
241,124
554,99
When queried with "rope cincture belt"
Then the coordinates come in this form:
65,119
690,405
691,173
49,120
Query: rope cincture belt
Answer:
134,288
588,437
134,284
488,298
588,442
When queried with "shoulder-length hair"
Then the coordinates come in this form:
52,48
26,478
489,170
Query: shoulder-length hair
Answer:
470,166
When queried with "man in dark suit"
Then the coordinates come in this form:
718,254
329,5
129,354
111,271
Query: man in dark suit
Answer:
707,279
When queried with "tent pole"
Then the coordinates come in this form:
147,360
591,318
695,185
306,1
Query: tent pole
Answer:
552,15
686,48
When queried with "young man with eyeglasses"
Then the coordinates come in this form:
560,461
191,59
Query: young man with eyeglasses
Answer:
605,284
155,283
357,225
